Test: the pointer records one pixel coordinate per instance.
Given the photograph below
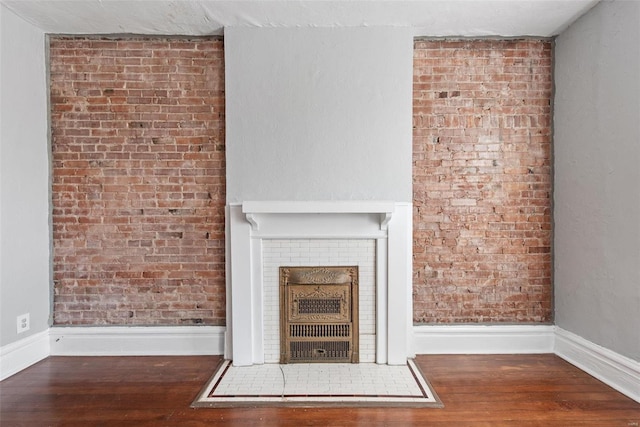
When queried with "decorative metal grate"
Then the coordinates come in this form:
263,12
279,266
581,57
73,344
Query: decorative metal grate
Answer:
318,306
319,331
314,351
319,314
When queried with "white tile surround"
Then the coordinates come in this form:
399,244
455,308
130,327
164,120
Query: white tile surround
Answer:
325,252
375,235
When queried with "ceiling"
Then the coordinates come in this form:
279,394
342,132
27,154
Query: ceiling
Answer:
435,18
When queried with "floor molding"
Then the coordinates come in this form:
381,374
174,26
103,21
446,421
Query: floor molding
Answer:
483,339
21,354
137,340
619,372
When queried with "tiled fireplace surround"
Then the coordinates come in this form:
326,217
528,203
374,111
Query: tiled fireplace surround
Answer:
265,235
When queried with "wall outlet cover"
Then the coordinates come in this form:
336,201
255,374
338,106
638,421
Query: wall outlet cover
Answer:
23,323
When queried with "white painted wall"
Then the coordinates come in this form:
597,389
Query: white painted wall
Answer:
597,177
24,178
318,113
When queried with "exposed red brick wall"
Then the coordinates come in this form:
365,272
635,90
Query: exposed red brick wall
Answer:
138,180
482,181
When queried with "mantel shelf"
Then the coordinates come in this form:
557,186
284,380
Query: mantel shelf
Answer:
253,209
318,207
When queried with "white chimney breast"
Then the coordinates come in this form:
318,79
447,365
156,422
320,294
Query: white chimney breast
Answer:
319,146
318,113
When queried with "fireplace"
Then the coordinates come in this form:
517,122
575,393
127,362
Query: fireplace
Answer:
374,236
319,314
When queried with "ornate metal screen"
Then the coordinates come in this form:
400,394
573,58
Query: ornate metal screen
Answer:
319,314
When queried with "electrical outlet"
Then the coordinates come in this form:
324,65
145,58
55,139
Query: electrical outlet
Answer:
23,323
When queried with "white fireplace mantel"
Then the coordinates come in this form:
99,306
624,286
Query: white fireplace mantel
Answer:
268,209
249,223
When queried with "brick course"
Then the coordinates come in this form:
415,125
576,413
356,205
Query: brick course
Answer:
138,180
482,181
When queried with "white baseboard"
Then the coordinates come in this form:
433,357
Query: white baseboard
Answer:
137,340
619,372
21,354
483,339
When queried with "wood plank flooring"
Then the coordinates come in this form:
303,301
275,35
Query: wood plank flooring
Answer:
477,390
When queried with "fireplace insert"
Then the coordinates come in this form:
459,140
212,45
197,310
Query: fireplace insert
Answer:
319,314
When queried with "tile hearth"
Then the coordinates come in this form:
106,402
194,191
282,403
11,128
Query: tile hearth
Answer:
311,384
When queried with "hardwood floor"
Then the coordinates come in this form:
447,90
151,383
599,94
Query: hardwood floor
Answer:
478,390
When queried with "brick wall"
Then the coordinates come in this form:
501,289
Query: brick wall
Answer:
138,180
482,181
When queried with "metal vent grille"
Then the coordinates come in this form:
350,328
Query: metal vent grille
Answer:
317,331
336,351
319,306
